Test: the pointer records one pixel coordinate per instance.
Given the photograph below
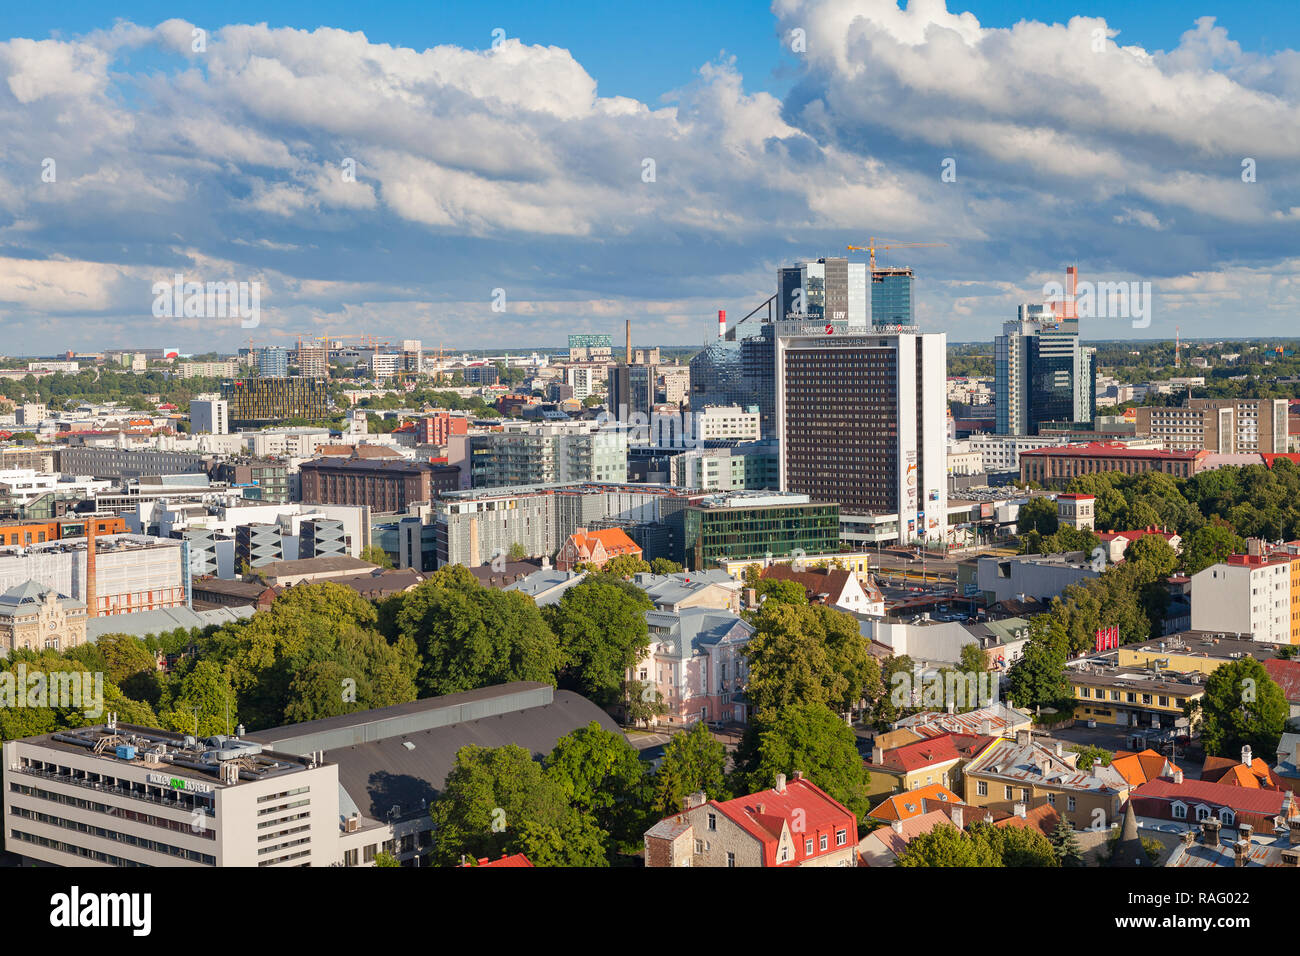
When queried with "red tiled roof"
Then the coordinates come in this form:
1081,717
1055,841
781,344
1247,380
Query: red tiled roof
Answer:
1241,799
1138,768
1044,818
763,815
922,754
901,806
1109,536
1286,674
1270,457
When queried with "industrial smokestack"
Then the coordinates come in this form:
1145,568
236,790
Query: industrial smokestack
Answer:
92,594
628,326
722,323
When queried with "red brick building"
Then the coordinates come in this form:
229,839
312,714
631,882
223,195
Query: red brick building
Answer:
387,486
1069,461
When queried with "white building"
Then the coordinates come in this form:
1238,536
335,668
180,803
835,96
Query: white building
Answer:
209,414
583,379
715,422
1001,453
1248,595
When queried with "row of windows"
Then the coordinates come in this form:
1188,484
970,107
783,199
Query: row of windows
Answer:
154,846
121,813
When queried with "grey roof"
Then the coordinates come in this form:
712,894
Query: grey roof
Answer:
321,565
380,771
546,587
141,623
696,627
674,588
25,597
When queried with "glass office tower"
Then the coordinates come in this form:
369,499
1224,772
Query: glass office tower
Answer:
891,297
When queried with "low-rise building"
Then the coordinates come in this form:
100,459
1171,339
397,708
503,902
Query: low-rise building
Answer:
1131,698
695,663
595,548
1061,464
1023,771
796,823
36,617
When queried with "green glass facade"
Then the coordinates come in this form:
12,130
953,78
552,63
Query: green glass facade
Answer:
713,534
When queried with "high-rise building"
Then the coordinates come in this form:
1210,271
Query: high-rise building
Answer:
1229,426
258,401
550,453
631,390
313,361
863,422
740,372
272,362
891,297
1041,372
209,414
827,289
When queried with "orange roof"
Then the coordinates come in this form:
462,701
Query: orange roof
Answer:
901,806
1043,817
1138,768
614,540
1234,773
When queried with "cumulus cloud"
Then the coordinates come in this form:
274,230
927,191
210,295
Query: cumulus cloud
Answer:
392,189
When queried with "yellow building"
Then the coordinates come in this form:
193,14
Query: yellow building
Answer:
1130,698
1193,652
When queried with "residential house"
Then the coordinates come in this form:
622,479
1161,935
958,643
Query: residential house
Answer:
1179,800
694,662
1251,772
882,847
833,587
1117,542
686,589
1028,772
1142,766
1286,674
1287,768
1205,847
796,823
901,806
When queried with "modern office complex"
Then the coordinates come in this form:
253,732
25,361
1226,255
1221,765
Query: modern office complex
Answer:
1041,372
863,422
260,479
322,537
891,297
729,466
272,362
256,402
824,290
757,525
258,544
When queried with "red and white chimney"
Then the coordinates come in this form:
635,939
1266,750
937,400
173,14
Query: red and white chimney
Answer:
722,323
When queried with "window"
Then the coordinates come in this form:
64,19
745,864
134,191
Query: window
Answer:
713,821
1070,803
1051,799
1009,792
982,788
1202,813
731,859
841,837
808,846
699,846
821,842
785,854
1024,793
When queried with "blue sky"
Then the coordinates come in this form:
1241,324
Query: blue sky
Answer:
521,169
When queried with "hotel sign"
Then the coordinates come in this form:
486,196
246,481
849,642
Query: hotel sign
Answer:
179,783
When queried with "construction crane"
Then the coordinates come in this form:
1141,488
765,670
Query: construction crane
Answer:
871,247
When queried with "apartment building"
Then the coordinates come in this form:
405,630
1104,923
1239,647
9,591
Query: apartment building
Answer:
1249,595
1130,697
1222,425
386,486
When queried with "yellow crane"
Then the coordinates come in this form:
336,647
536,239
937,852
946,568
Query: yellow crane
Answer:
871,247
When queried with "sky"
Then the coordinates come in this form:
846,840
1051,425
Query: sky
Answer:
524,170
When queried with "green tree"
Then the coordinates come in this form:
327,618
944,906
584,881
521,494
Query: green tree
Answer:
384,858
1038,678
1241,706
1208,545
1016,846
602,632
499,801
779,591
1038,514
1088,754
603,777
945,845
693,761
203,704
470,636
1155,556
807,737
664,566
517,552
625,566
809,653
1066,845
376,555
